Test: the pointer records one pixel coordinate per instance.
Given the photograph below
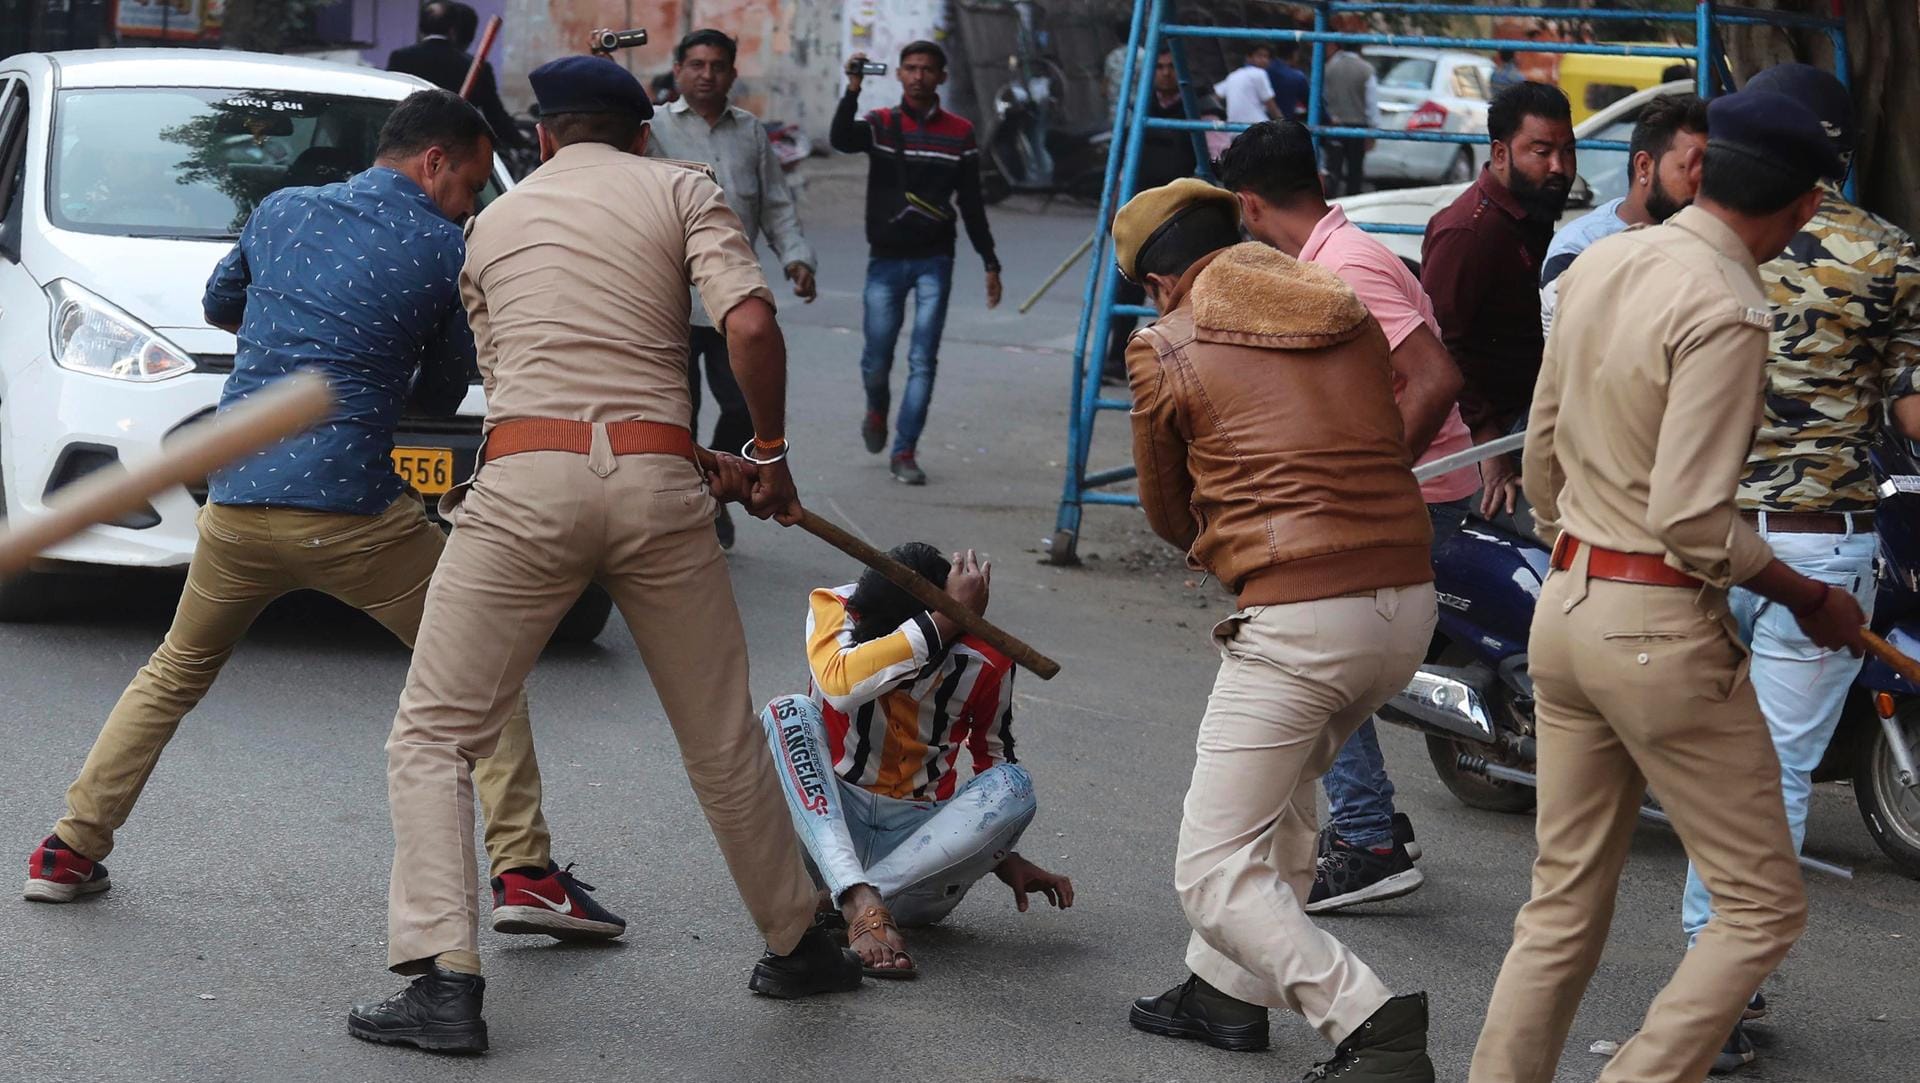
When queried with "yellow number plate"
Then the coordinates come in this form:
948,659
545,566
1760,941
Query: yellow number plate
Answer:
428,469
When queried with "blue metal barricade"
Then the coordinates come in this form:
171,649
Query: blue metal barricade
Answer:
1150,28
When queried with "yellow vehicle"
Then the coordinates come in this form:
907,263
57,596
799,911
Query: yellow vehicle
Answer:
1593,82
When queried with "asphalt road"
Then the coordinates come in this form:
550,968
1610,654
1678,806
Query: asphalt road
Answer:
249,912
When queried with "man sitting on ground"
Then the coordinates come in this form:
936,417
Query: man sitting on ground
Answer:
867,758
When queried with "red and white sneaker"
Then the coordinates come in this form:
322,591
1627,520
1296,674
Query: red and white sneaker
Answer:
56,874
554,904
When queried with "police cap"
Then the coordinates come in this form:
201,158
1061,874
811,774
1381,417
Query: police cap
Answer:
588,84
1776,130
1819,91
1148,215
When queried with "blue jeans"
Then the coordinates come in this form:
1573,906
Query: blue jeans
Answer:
1801,687
889,281
1359,793
921,856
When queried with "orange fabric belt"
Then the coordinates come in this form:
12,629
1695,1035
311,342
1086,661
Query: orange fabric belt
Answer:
1619,567
552,434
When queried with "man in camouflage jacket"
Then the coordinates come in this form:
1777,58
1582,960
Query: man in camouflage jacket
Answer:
1846,343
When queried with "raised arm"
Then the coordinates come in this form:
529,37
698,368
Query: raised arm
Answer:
849,674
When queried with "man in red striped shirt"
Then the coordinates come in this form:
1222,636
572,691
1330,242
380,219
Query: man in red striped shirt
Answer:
869,757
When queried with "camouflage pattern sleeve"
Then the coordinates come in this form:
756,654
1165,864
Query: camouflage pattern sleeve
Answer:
1903,339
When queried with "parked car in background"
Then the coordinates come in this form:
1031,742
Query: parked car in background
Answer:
1602,176
125,175
1429,90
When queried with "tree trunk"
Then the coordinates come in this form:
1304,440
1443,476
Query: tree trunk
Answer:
1883,38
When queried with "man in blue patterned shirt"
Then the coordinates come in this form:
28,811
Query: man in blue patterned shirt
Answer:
357,281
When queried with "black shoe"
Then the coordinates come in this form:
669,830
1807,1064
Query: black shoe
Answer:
1347,876
1402,834
907,471
1737,1053
723,527
1194,1009
439,1011
873,431
1756,1008
1113,376
816,965
1390,1047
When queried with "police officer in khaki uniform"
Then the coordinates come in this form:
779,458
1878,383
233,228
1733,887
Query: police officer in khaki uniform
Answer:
1638,436
577,287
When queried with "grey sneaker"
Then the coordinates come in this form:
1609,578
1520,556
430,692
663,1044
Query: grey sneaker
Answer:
873,432
1390,1047
1736,1054
908,472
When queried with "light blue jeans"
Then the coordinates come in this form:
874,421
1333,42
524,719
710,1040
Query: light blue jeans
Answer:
1801,687
1359,792
921,856
930,280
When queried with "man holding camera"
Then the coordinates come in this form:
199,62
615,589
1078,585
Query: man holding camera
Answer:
923,158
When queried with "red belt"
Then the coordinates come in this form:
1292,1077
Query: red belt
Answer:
1619,567
625,438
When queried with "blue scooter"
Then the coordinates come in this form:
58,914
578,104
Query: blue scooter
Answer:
1474,700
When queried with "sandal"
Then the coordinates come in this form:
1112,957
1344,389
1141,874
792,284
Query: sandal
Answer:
875,921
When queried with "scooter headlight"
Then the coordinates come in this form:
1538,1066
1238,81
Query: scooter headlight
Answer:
91,335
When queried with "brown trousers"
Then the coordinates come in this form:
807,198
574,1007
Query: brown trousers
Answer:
245,558
1643,687
536,528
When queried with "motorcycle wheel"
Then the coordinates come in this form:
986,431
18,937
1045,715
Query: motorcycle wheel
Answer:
1472,790
1891,811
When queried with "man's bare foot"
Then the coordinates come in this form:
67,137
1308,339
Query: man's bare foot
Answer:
872,934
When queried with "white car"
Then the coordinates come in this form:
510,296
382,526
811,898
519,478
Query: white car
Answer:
125,175
1429,90
1602,176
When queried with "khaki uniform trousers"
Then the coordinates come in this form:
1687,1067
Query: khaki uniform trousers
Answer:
1643,687
1295,681
244,559
536,528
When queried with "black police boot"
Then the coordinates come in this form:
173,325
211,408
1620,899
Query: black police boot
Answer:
1194,1009
439,1011
1390,1047
815,965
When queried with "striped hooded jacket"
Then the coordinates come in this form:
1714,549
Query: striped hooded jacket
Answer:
900,708
919,167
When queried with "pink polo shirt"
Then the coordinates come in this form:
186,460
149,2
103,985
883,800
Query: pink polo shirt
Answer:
1395,299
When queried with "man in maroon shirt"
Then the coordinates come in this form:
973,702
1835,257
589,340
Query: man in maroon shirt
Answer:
1480,263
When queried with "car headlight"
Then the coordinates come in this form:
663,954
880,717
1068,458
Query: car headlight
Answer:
92,335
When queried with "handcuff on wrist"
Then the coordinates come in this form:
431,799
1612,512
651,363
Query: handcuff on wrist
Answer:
756,444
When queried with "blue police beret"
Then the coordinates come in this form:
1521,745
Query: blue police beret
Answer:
588,84
1819,91
1776,130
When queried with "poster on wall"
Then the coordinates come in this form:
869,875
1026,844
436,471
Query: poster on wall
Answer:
173,20
879,28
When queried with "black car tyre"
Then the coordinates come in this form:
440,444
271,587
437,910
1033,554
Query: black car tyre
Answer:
588,617
1891,811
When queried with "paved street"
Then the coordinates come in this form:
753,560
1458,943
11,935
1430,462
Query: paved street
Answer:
250,900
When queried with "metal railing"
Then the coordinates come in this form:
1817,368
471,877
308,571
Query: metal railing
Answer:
1147,31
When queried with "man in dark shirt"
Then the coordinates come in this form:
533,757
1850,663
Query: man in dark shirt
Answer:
441,57
1480,263
1165,156
357,281
922,159
1289,82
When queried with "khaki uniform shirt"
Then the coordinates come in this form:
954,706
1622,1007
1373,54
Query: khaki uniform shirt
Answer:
1640,426
576,284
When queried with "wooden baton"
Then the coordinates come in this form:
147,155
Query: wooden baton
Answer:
930,596
282,410
1896,659
480,57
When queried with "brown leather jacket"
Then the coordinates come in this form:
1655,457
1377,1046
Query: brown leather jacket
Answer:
1266,435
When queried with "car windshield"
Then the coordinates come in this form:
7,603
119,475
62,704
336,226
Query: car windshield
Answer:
193,162
1410,73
